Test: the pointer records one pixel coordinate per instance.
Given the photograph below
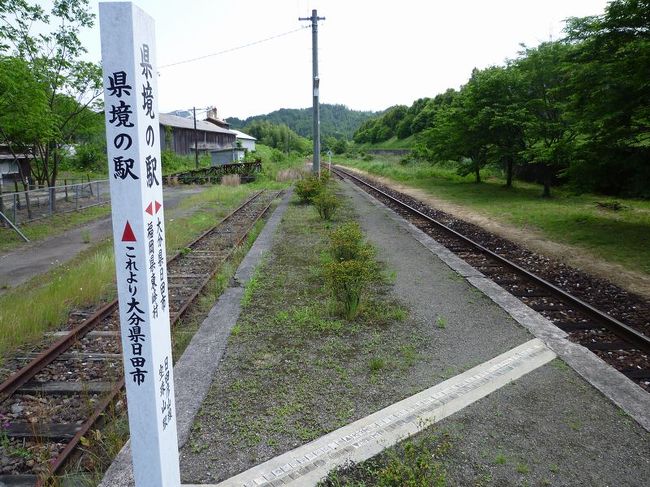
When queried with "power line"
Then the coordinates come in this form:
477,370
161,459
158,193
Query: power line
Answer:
233,48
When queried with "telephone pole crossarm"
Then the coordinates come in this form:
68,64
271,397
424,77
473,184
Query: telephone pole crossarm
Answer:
314,39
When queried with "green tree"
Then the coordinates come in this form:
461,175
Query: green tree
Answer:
610,97
550,136
461,130
279,137
71,86
496,96
25,116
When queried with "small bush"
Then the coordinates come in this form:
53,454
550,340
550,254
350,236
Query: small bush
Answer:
346,243
351,269
308,188
325,175
326,204
347,280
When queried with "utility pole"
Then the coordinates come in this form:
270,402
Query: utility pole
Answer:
196,141
314,56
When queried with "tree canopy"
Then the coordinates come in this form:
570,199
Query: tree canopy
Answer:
575,109
44,48
279,137
336,121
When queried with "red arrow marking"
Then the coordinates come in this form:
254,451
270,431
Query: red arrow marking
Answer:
150,208
128,235
158,206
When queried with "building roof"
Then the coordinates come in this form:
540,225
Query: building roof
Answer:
188,123
5,154
242,135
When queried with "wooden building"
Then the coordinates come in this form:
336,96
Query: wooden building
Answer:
177,134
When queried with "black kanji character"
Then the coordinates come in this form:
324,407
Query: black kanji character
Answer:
123,139
138,361
147,103
138,376
133,306
145,64
121,115
152,165
150,136
123,168
135,335
118,84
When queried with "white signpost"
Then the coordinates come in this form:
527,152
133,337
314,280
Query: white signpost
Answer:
132,134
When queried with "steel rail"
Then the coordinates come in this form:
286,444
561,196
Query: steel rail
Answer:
70,447
188,302
45,358
616,326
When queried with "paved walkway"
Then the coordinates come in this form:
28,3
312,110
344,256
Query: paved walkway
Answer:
33,259
548,421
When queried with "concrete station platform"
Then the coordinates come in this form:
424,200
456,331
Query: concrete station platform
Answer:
523,391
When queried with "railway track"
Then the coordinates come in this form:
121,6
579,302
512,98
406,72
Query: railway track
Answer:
54,401
589,319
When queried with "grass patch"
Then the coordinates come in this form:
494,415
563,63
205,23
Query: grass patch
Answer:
252,284
412,463
500,459
522,468
441,322
587,221
44,303
392,143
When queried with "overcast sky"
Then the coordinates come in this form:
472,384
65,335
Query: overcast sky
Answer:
373,54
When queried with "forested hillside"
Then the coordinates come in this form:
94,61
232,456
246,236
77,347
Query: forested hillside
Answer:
279,137
577,109
335,120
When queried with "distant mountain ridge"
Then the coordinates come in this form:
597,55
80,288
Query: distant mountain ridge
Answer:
335,120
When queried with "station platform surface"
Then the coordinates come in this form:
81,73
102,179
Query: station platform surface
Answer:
523,395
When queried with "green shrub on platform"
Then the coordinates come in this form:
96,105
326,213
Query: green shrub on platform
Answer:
308,188
351,269
346,280
326,204
346,243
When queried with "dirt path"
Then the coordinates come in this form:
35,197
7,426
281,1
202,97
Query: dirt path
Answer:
574,256
18,266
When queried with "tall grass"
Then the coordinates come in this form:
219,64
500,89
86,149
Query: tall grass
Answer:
28,312
275,166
